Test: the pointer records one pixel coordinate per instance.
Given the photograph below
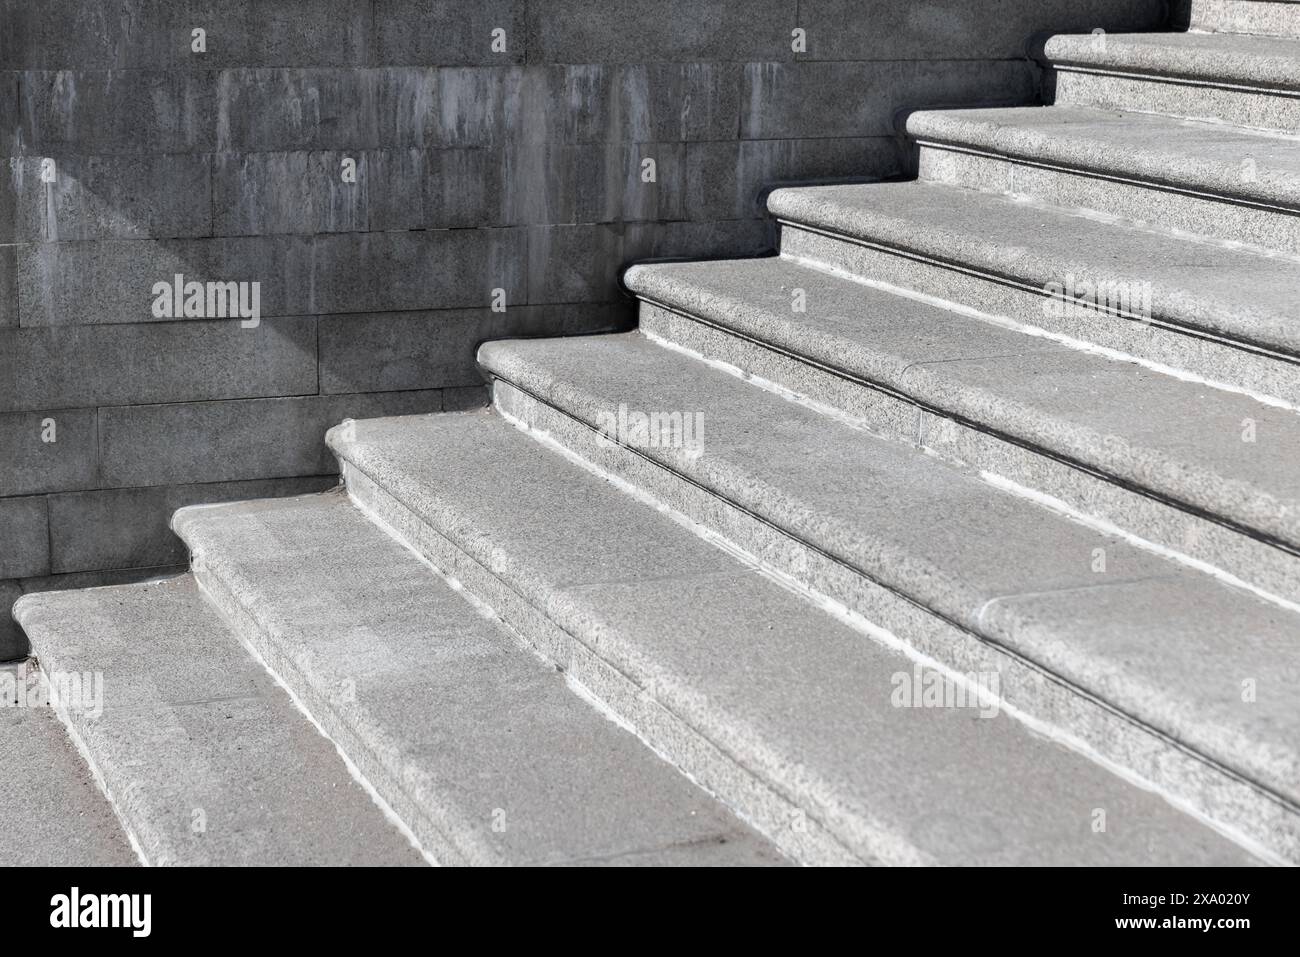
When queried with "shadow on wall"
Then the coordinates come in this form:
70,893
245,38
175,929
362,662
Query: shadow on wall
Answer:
403,179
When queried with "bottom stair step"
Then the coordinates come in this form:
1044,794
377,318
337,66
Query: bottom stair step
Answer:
206,761
51,812
473,740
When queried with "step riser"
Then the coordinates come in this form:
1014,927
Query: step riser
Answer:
329,711
957,440
1218,217
1246,16
1253,372
1219,794
791,823
1151,94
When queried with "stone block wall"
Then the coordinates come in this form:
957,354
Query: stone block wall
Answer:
500,150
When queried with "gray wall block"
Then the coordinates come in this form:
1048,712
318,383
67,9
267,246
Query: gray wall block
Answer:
300,192
621,31
386,352
112,281
13,644
970,29
33,465
147,111
196,442
112,34
448,32
129,528
105,197
805,100
158,362
296,109
24,537
8,286
730,180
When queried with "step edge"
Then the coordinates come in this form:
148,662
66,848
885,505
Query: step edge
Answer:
713,313
791,213
981,140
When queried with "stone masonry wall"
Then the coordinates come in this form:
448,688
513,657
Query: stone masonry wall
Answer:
491,169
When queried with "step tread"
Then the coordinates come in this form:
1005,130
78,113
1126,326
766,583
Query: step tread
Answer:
1211,287
51,812
1250,17
194,730
992,562
1163,150
444,702
796,695
1177,438
1271,63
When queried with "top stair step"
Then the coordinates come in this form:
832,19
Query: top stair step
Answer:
1266,18
1206,178
1242,298
1209,158
1243,80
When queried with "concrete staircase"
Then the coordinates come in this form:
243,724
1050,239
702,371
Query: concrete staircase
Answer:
1021,436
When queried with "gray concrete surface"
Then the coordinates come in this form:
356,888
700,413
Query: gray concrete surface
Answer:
51,812
518,169
1233,365
1207,287
1278,18
478,745
1176,439
937,535
780,708
1243,80
1255,61
978,446
1202,178
1161,150
205,759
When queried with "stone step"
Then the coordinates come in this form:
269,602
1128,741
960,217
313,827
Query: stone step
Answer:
1268,18
476,744
1242,80
790,713
1161,457
1225,314
1205,178
206,760
51,812
1112,642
